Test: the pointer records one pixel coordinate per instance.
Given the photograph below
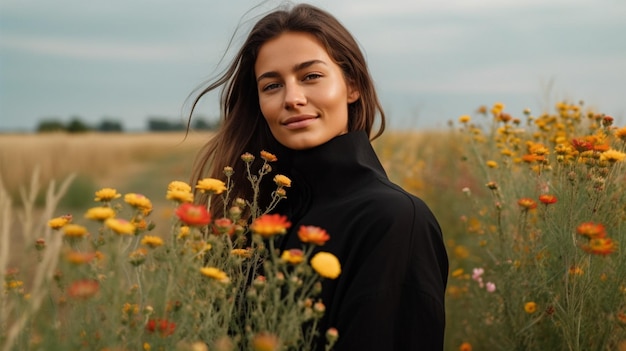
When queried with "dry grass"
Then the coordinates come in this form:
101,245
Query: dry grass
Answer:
107,158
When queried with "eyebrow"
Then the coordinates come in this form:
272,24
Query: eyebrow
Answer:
296,67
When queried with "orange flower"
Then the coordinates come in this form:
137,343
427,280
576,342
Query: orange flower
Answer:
83,289
269,157
193,215
313,234
600,246
530,307
466,346
77,257
269,225
265,342
527,203
163,326
282,181
547,199
591,230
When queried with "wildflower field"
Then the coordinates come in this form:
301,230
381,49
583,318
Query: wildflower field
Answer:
116,257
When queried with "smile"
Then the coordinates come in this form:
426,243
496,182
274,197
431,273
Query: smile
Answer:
299,122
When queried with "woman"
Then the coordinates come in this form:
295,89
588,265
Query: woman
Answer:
299,87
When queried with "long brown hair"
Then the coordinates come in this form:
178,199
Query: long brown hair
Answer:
243,127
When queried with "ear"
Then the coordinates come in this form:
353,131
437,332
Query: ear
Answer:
353,94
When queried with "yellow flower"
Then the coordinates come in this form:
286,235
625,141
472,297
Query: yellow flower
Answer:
211,185
152,241
282,181
59,222
326,264
530,307
139,201
178,186
183,232
293,256
457,273
138,256
492,164
621,133
612,156
214,273
180,196
461,252
74,231
120,226
464,119
100,213
106,195
243,253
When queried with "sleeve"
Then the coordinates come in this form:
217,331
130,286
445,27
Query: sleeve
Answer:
396,299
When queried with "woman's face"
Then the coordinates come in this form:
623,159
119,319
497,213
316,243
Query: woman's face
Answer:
303,94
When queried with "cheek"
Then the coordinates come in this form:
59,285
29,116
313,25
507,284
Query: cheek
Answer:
266,108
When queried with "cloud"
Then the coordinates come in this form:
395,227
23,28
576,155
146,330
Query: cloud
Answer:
91,49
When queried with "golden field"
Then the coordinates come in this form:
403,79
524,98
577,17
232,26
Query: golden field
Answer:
110,159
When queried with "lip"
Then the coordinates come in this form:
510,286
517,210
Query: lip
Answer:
298,122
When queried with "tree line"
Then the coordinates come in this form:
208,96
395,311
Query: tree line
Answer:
110,125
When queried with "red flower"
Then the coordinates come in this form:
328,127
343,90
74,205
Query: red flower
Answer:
312,234
527,203
582,145
269,225
223,226
547,199
83,289
163,326
591,230
193,215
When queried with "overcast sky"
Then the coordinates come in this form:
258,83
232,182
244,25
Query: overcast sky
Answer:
432,60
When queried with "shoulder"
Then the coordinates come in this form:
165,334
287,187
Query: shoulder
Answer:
391,201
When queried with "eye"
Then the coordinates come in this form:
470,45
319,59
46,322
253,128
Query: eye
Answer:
270,86
312,76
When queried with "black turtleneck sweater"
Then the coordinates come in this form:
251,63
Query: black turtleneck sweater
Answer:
390,294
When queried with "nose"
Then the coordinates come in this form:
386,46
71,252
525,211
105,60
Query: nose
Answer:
294,96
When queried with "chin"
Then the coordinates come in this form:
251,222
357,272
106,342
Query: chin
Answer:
301,142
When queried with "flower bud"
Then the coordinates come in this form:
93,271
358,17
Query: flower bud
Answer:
40,244
228,171
247,157
332,335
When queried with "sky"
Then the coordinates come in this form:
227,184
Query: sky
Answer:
431,60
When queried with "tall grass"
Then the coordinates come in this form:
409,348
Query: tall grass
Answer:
532,209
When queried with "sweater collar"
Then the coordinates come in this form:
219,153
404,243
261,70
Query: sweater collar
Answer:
334,167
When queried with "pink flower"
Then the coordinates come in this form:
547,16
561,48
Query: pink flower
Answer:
491,287
477,273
